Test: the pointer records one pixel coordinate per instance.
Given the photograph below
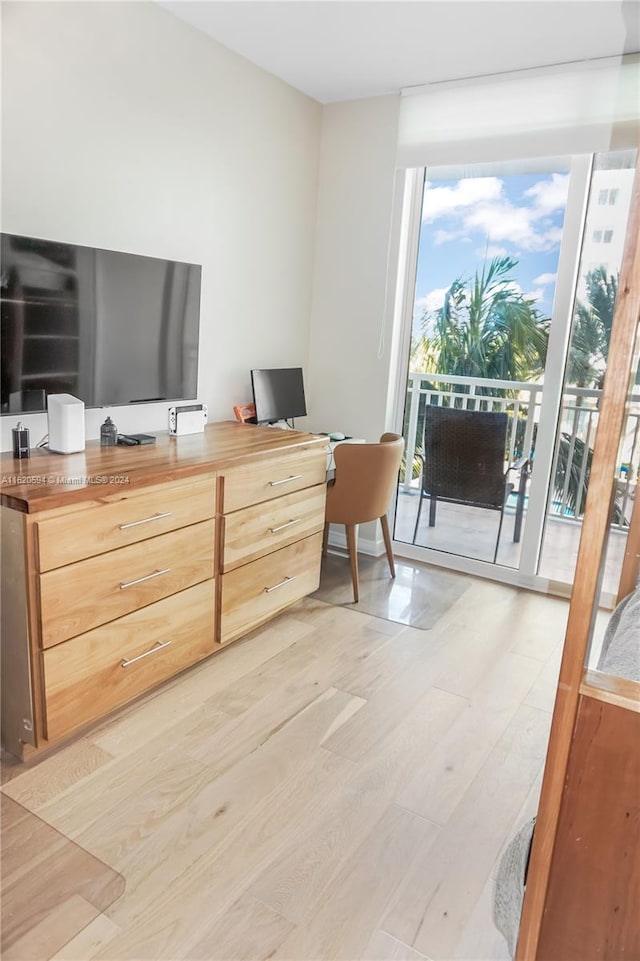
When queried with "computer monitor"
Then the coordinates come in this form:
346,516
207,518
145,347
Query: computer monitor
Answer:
278,394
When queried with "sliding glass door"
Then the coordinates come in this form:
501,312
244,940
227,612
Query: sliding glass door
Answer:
594,305
502,264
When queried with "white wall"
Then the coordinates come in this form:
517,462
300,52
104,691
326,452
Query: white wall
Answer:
353,291
125,128
347,378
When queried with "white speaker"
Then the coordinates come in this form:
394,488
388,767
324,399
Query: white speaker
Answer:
65,415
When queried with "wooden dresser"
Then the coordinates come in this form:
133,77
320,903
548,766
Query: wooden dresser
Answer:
123,566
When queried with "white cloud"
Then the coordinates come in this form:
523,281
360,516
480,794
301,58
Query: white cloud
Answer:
490,251
431,301
478,205
545,279
506,222
439,201
549,195
535,295
444,236
550,238
500,221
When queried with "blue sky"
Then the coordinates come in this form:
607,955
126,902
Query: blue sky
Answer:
466,221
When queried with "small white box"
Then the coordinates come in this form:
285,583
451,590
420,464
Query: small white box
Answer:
65,416
189,419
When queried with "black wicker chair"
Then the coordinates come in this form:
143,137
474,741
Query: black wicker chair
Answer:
464,463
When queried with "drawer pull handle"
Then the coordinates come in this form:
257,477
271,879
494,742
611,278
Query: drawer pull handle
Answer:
145,520
275,587
283,527
285,480
147,577
154,650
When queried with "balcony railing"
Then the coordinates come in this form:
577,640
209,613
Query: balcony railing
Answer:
522,400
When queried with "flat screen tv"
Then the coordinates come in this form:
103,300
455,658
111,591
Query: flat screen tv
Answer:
278,394
110,328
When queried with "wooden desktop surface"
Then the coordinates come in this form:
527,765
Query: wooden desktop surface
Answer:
46,480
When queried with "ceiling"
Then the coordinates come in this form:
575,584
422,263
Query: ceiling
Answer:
346,49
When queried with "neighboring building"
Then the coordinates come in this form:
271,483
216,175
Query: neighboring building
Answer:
606,222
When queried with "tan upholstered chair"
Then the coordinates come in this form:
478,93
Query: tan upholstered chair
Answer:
366,475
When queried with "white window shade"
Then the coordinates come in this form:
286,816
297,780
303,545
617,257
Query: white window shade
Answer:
566,109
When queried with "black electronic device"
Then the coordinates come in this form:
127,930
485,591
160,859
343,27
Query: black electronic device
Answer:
107,327
131,440
278,394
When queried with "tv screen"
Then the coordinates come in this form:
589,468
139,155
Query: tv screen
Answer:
278,394
110,328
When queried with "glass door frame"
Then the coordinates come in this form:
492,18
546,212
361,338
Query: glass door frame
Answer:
526,575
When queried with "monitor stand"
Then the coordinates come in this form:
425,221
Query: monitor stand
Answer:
282,424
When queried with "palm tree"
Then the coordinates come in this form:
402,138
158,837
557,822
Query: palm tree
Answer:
586,365
487,328
592,325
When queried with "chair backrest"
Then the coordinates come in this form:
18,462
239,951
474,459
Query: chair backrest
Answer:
464,457
366,475
246,413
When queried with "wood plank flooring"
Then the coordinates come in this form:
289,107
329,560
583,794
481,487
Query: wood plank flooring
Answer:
51,887
333,786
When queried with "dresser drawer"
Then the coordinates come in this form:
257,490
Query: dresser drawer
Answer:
104,527
90,675
75,598
253,593
258,530
255,483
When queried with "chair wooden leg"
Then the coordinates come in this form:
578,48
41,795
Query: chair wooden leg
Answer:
353,558
325,539
387,543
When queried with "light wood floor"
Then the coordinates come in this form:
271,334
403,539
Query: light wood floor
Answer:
334,786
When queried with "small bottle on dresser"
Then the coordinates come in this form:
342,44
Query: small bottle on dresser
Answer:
108,434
